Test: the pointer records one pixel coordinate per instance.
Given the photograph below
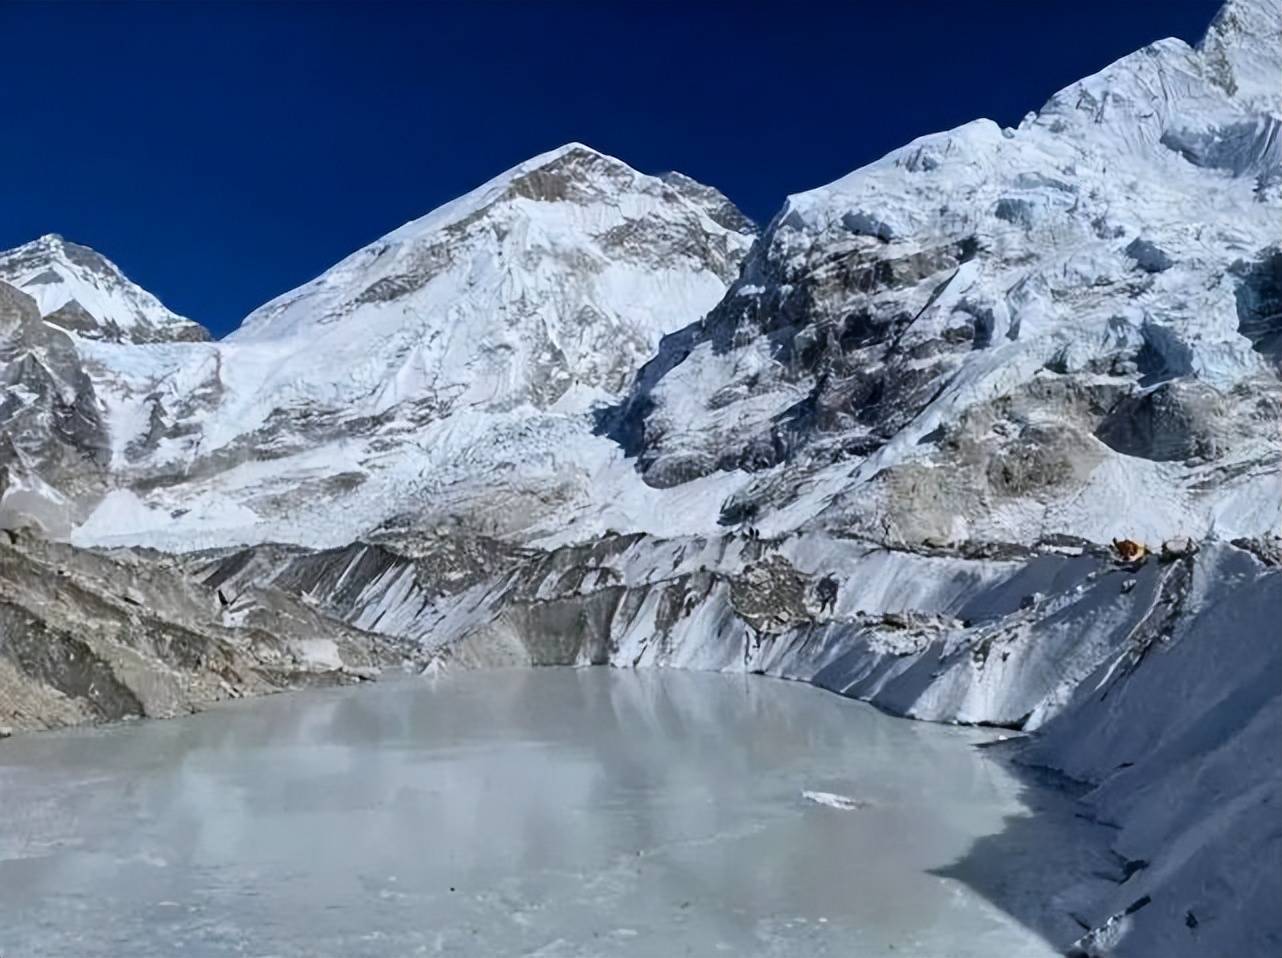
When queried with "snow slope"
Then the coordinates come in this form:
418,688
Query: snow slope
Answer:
1071,326
444,372
78,289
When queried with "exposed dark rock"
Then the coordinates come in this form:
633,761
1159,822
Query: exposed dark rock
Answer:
74,317
1014,210
1178,420
720,209
1148,257
1259,305
129,634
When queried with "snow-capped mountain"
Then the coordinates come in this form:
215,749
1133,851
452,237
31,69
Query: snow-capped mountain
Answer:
532,426
444,370
990,333
558,276
1067,327
80,290
57,300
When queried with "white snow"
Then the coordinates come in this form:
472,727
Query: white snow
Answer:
458,358
54,273
1176,147
842,802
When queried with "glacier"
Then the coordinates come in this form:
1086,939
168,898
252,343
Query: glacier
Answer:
584,415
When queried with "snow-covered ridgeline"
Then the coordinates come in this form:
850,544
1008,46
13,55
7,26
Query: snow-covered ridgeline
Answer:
454,361
1070,326
987,334
78,289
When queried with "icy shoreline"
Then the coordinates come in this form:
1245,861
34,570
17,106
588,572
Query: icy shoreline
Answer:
1129,675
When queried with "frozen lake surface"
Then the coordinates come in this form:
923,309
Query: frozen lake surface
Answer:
552,812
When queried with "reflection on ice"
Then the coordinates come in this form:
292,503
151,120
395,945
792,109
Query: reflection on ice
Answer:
552,812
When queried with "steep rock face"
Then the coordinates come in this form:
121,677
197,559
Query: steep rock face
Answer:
442,374
53,442
80,290
1002,333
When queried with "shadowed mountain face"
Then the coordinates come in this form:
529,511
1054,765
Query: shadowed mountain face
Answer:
583,415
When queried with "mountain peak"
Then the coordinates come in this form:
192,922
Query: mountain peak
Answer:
573,201
570,172
79,289
579,174
567,150
1240,48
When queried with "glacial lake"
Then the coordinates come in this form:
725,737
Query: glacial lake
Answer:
550,812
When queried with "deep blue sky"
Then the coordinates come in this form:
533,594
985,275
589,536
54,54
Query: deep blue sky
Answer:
224,153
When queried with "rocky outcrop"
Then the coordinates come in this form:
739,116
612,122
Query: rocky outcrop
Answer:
54,446
1015,277
91,637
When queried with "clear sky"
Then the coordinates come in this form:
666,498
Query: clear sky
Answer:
223,153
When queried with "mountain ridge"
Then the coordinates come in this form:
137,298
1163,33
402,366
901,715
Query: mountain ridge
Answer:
887,323
514,308
889,447
80,290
